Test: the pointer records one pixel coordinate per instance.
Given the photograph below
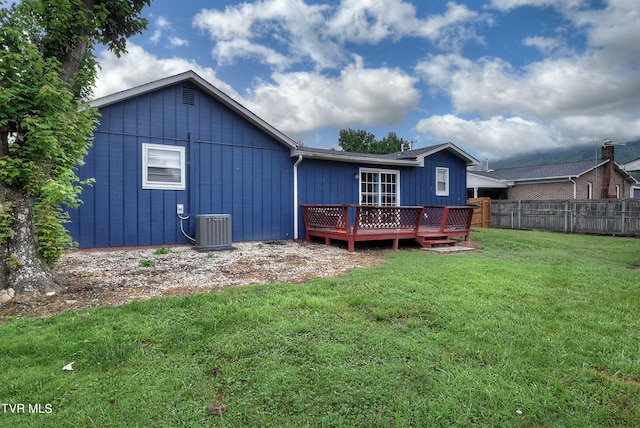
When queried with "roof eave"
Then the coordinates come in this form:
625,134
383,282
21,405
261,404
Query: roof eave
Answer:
469,160
353,159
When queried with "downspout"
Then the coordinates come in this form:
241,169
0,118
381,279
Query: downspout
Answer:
575,189
295,197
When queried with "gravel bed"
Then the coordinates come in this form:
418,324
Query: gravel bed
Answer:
112,277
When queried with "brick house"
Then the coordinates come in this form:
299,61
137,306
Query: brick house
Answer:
588,179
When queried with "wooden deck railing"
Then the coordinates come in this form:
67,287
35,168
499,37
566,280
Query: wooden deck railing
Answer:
352,223
447,220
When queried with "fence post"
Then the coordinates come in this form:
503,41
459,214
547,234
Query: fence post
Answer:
624,211
572,213
519,214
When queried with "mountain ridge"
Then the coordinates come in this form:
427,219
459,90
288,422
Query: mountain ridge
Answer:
624,152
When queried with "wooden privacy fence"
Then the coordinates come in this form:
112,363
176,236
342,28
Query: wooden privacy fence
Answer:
482,212
603,217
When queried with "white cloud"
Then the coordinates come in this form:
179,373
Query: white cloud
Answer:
161,25
506,5
177,42
292,25
302,102
614,31
546,45
163,30
585,96
138,67
512,135
226,51
317,33
371,21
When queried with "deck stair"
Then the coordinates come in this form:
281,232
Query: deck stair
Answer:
431,241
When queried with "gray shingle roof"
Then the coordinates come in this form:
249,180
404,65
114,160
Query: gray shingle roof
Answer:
540,172
408,157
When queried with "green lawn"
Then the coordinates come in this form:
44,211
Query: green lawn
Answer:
535,330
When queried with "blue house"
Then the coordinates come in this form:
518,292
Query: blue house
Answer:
180,142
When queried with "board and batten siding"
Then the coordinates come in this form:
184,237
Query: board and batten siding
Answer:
419,184
232,167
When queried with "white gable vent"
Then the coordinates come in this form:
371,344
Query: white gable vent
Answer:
213,232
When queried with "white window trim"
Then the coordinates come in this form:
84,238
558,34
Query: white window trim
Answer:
146,184
589,190
379,171
444,192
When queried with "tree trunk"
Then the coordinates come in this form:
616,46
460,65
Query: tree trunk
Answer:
21,266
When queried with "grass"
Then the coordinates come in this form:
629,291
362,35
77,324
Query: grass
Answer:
536,330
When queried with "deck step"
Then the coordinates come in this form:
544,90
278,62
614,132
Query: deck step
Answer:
431,241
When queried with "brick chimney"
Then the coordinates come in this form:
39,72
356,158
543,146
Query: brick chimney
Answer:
608,176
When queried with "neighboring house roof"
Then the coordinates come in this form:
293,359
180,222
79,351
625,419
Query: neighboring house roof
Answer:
407,158
556,171
633,166
192,77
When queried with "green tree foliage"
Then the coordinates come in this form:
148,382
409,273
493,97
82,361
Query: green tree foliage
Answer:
392,144
360,141
47,70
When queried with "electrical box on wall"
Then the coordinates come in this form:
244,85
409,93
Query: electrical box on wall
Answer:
180,209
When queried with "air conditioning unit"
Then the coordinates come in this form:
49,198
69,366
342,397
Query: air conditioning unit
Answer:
213,232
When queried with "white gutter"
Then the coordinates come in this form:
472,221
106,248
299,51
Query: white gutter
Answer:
295,197
356,159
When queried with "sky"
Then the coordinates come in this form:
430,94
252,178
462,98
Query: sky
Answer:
497,78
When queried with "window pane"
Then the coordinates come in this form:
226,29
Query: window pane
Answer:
166,158
163,175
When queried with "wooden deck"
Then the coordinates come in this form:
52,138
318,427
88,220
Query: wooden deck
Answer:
428,225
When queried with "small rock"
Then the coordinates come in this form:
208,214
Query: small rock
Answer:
50,293
6,296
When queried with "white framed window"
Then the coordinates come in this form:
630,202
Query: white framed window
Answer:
442,181
589,190
163,167
618,191
379,187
